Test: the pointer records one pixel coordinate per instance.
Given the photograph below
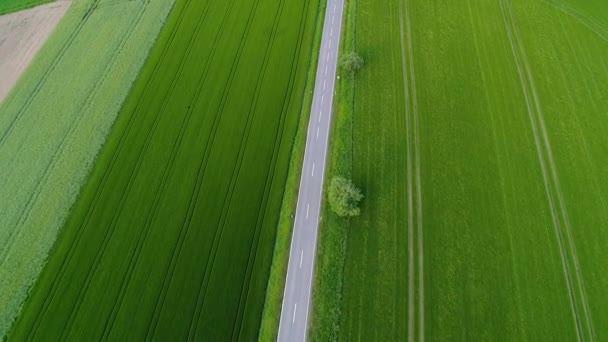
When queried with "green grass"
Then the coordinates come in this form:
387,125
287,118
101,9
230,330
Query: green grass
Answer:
53,123
7,6
278,270
492,219
333,231
173,233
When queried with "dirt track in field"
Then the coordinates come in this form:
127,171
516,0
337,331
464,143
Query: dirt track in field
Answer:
22,34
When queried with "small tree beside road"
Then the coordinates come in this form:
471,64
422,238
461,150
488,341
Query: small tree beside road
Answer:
351,63
344,197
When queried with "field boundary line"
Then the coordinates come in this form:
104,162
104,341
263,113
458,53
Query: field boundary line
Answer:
101,185
100,188
48,72
25,213
159,194
562,205
116,215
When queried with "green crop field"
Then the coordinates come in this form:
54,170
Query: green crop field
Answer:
479,140
7,6
53,123
172,235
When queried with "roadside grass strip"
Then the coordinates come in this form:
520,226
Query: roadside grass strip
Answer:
172,235
53,123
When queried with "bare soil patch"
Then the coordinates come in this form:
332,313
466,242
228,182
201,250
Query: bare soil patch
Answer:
22,34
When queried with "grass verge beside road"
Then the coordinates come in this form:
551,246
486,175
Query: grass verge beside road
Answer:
333,231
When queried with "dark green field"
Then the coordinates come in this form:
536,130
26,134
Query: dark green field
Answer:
7,6
171,237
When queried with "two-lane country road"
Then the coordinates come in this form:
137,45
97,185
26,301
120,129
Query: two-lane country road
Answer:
296,299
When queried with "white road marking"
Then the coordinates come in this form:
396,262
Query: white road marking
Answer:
317,132
326,66
330,43
295,309
324,81
307,208
301,257
313,169
322,96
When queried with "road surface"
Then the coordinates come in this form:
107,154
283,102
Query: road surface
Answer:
296,300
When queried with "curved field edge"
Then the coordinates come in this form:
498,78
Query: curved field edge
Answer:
53,123
189,187
278,269
8,6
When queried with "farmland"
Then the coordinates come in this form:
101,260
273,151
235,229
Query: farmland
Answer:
478,137
53,123
7,6
172,235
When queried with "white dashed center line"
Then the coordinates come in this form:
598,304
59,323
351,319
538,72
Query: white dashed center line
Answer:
301,257
317,132
295,309
313,169
307,208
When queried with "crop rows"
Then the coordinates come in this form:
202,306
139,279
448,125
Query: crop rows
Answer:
171,237
53,123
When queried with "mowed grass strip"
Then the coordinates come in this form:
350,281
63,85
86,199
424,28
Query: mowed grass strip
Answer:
172,236
53,123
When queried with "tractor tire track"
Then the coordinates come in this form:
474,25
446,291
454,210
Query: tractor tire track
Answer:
526,81
48,72
157,198
117,214
196,191
414,186
549,151
410,209
48,171
100,188
270,179
202,293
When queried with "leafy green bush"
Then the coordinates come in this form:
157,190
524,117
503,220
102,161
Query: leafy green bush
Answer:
344,197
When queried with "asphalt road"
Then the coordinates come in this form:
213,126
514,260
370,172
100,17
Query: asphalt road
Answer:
296,300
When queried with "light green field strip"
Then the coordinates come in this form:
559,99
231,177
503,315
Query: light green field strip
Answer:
7,6
511,107
53,123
